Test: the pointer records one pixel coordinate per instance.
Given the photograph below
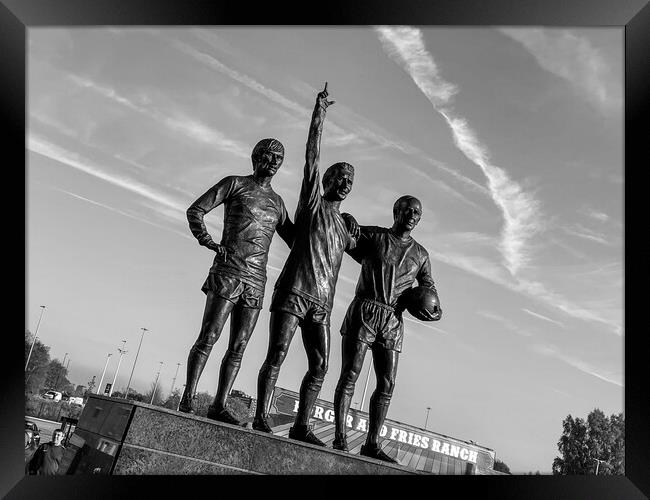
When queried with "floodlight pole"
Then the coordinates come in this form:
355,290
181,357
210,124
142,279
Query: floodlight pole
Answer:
101,380
35,337
126,394
122,352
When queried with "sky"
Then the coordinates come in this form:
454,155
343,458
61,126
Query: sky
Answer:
512,138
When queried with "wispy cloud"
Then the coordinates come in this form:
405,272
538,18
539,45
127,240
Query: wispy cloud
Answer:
552,351
576,60
44,147
123,213
585,233
535,290
507,323
356,132
520,209
595,214
176,120
540,292
540,316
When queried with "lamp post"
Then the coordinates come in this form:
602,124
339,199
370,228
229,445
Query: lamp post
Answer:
122,352
35,337
179,399
426,420
365,388
101,380
598,464
126,394
178,365
155,385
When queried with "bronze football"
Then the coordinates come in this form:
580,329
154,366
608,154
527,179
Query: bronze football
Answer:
419,300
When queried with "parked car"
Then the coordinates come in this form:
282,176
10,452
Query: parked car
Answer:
76,400
53,395
36,435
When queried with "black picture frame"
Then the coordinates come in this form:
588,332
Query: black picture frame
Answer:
16,16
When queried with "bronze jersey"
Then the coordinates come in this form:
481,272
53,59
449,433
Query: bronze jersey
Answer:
252,214
321,238
389,265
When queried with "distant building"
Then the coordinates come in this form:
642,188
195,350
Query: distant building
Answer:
411,446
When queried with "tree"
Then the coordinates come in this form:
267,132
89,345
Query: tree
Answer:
91,386
173,399
201,402
57,377
38,364
596,443
157,397
500,466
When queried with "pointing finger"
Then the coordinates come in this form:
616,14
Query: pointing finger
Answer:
325,89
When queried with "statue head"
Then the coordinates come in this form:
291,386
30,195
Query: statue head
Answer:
337,181
407,211
267,156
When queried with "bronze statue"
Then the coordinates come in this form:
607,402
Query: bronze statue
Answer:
304,291
235,284
391,261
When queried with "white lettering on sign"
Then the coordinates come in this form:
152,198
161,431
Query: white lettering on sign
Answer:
397,434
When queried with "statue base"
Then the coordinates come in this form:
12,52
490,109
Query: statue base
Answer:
120,437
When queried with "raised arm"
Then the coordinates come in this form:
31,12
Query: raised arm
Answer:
310,191
209,200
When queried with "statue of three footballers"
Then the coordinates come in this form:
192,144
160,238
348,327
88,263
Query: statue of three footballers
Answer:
391,262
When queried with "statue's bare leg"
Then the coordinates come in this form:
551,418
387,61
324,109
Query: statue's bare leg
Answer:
316,340
282,328
215,316
242,324
385,363
353,352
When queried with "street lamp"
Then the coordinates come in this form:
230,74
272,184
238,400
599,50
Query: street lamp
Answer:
35,337
598,463
427,419
122,352
126,394
365,388
101,380
178,365
155,385
179,399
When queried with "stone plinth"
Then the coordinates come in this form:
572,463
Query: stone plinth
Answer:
115,436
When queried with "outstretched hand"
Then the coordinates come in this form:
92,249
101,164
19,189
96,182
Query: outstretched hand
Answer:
435,316
352,225
322,98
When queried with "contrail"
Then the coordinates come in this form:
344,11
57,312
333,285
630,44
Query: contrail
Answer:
406,46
